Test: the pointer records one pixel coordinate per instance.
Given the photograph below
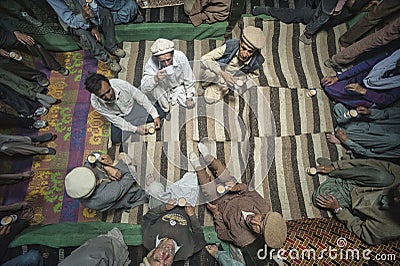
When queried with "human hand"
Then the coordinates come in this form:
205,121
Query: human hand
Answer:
341,135
212,249
328,202
4,230
96,34
329,80
87,12
113,173
325,169
27,213
142,130
230,81
357,88
106,159
4,53
157,123
160,75
189,103
24,38
363,110
234,188
189,210
213,208
170,204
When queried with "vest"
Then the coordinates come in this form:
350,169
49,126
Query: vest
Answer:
232,46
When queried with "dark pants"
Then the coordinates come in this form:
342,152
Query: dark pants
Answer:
138,116
87,40
12,121
20,69
380,13
309,12
36,50
20,104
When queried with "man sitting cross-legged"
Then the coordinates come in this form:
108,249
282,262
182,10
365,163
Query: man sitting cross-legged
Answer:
240,215
365,196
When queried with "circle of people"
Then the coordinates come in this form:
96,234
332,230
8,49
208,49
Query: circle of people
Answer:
368,125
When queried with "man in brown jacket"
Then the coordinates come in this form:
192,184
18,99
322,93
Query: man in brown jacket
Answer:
208,11
240,215
365,196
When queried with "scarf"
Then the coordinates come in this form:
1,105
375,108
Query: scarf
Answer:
377,80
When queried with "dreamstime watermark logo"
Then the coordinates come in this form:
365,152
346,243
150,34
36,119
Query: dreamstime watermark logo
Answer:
239,130
342,252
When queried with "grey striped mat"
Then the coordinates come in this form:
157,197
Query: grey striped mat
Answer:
275,125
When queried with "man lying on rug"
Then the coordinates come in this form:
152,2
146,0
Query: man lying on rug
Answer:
371,83
229,66
374,133
168,76
240,215
105,249
171,233
364,194
104,184
126,107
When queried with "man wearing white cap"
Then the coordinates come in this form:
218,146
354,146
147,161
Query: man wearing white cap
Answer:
104,185
168,76
235,60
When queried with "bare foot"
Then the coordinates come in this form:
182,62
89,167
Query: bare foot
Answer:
149,179
332,139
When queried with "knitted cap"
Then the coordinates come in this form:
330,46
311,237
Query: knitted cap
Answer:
254,37
162,46
275,230
80,182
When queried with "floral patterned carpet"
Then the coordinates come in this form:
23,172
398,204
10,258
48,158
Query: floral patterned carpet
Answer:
80,130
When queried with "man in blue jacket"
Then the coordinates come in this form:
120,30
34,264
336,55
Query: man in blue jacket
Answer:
233,65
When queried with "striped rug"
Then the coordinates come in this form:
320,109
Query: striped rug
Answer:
267,136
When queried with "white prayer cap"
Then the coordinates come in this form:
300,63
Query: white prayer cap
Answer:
80,182
162,46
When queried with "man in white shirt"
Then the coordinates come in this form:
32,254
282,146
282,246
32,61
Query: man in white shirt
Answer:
125,106
168,76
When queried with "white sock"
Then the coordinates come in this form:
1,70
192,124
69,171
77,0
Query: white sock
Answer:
194,160
203,149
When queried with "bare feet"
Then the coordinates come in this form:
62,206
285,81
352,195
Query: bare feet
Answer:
149,179
332,139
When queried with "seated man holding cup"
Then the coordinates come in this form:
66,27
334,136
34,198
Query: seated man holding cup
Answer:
126,107
240,215
168,76
102,184
369,132
171,232
364,194
236,64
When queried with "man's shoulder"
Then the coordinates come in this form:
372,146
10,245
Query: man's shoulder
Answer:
179,55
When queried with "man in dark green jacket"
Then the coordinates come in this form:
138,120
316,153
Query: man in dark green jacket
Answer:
364,194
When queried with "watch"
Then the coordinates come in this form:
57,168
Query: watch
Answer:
338,210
